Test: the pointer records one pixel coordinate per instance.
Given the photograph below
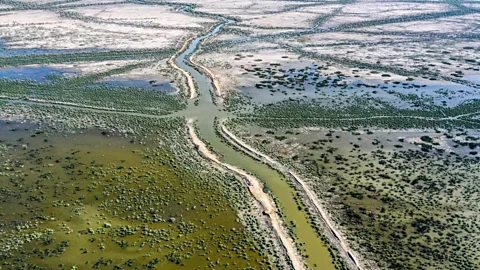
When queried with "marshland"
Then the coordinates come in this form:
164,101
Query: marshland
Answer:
239,134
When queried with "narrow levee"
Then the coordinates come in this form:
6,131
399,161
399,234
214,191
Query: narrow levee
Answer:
256,189
306,189
312,247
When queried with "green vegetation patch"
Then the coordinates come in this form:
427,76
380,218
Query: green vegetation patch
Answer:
87,92
400,205
94,56
100,202
295,113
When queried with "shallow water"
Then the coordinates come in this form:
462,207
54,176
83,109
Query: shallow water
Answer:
5,51
40,74
473,78
112,202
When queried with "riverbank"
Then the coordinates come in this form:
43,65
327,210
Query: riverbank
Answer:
336,236
256,189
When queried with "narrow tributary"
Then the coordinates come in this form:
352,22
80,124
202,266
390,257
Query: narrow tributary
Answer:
317,254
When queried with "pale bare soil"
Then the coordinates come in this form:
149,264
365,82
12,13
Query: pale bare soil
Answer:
386,34
227,71
88,68
125,26
243,7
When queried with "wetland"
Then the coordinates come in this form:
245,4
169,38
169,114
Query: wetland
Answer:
239,135
89,200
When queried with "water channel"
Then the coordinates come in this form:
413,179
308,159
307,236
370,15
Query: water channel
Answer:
317,254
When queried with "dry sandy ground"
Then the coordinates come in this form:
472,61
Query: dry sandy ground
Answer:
37,1
88,68
455,24
222,79
442,56
292,19
228,71
412,45
164,16
123,26
373,10
243,7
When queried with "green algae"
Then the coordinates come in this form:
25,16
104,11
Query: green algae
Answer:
92,201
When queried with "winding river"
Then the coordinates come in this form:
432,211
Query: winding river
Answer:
316,253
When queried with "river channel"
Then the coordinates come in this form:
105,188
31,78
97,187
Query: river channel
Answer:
205,112
315,251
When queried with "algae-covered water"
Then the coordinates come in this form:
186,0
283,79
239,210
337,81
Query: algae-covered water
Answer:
92,201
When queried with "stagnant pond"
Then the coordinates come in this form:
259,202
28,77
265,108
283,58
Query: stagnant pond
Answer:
316,251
